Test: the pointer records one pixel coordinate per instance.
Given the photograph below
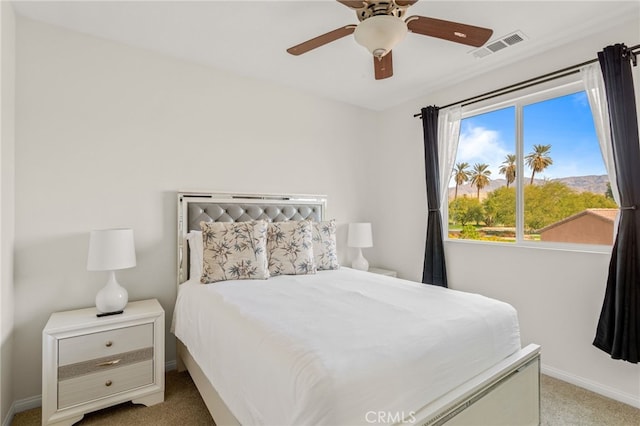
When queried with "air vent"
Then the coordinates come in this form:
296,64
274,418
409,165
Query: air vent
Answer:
513,39
499,44
482,52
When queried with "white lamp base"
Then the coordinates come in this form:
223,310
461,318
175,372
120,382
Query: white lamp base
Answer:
360,262
112,297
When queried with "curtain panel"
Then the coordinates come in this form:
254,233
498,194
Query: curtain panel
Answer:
441,129
594,87
618,331
448,136
434,269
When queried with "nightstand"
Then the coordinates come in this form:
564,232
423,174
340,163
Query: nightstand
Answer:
381,271
89,363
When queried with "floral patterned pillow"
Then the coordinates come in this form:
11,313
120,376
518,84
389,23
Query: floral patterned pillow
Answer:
290,248
234,251
325,253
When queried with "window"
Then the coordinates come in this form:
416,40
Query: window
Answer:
530,171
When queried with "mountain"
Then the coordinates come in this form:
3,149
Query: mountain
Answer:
594,183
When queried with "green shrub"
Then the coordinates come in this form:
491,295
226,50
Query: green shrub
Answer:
469,232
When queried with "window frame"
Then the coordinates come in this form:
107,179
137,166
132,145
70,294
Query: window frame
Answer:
563,86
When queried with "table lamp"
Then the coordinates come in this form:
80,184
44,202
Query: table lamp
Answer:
110,250
359,236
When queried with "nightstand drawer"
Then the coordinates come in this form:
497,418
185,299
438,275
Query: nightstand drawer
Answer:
96,345
98,365
85,388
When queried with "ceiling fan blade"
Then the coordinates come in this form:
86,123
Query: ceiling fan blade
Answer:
321,40
383,67
448,30
353,4
406,2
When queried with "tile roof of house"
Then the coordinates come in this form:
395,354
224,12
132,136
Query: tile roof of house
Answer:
608,215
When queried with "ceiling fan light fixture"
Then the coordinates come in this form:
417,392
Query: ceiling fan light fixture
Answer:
380,33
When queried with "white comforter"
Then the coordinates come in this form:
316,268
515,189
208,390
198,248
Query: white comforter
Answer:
338,347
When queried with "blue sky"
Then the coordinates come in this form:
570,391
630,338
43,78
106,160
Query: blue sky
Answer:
565,123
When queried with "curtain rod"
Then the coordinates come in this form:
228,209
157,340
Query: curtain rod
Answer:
526,83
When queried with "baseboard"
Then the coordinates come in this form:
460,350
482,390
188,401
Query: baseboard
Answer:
598,388
170,365
36,401
9,418
21,405
27,403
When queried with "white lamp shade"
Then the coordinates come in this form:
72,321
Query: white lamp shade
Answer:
380,33
111,249
360,235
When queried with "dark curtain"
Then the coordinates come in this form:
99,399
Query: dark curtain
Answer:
618,331
434,270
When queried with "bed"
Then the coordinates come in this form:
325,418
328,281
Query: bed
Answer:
343,346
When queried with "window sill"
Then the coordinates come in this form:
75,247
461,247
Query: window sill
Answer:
566,247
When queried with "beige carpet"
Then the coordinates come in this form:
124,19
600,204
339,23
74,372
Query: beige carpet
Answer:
562,404
565,404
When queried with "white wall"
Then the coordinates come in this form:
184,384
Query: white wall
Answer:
7,146
106,135
558,294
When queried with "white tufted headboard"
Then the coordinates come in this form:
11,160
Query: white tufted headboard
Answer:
195,207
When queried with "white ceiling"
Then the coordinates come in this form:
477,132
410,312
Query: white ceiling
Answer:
250,38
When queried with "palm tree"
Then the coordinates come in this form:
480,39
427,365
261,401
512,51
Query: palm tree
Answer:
460,175
508,168
538,159
480,176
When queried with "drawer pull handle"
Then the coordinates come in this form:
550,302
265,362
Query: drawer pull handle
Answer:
108,383
109,344
108,363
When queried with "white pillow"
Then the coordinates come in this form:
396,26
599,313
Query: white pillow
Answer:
290,248
234,251
324,245
196,250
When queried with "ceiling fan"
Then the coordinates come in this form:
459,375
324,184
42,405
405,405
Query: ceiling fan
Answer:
382,26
